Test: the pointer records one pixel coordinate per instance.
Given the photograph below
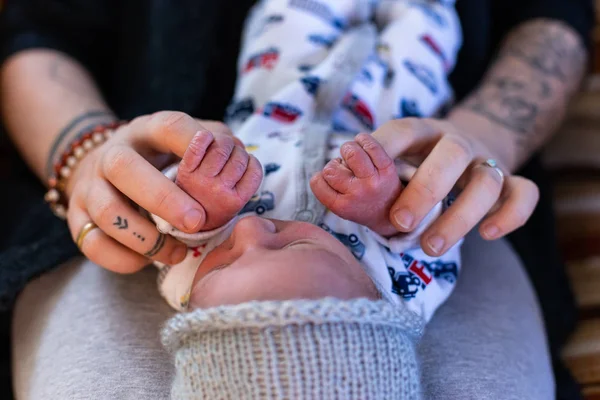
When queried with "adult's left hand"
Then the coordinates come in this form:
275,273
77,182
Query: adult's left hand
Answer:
450,157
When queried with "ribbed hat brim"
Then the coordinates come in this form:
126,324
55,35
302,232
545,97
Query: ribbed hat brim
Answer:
324,349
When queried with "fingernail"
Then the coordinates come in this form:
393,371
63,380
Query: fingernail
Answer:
436,244
192,219
491,231
178,254
404,218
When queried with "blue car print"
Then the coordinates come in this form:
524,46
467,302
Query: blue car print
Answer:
423,74
410,108
365,76
240,110
271,167
305,67
433,16
351,241
322,40
320,10
260,203
285,113
311,84
447,271
405,285
272,19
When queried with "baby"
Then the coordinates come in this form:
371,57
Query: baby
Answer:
313,74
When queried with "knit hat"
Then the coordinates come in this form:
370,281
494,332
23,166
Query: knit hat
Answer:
299,349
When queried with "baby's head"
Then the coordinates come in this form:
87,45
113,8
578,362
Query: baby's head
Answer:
265,259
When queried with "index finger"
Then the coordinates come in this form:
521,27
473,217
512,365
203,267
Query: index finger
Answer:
406,136
137,179
433,180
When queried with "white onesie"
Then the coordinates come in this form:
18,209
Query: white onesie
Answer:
292,50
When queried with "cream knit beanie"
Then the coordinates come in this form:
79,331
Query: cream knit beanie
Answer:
299,349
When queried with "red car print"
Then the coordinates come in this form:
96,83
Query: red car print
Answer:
266,59
359,110
435,47
285,113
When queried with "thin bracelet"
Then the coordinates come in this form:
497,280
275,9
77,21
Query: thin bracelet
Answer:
63,169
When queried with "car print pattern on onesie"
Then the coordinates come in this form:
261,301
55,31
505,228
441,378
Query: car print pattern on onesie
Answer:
260,203
266,59
351,241
283,114
320,10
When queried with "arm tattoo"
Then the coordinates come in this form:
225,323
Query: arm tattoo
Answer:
526,92
59,72
158,245
77,127
547,48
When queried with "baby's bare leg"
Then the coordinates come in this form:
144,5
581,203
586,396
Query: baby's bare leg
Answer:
361,186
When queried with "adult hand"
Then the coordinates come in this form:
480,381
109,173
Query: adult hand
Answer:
114,179
448,157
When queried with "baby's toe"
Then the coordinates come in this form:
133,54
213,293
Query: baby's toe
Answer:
196,151
323,192
338,175
375,151
235,167
358,160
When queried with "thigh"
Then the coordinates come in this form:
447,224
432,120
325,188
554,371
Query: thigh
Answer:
82,332
488,340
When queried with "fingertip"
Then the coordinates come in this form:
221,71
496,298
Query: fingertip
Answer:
489,231
403,219
193,220
178,254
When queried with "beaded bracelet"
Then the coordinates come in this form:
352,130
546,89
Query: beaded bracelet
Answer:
64,168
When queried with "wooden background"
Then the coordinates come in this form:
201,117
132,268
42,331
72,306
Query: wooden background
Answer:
574,157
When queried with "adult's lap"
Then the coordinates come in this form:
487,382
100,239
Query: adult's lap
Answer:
83,332
487,341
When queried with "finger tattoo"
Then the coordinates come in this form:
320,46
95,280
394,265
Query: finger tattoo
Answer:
121,223
160,242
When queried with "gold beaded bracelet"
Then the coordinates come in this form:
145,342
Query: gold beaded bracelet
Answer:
63,169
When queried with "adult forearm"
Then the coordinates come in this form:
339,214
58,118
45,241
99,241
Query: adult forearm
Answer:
523,99
48,99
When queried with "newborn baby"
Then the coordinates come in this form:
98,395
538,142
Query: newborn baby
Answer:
309,80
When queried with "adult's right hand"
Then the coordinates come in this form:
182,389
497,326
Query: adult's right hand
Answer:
114,179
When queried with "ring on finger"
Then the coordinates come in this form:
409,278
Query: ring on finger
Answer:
491,163
87,228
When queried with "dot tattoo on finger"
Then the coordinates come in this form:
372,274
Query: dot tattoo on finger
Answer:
137,235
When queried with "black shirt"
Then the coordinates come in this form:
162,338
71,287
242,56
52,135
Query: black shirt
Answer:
150,55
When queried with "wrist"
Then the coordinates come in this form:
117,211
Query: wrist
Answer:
61,180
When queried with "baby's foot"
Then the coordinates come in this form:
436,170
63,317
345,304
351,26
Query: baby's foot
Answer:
361,186
221,176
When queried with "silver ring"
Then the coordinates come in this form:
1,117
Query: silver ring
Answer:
490,162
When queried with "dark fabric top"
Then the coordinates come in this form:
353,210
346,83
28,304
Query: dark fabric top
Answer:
150,55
